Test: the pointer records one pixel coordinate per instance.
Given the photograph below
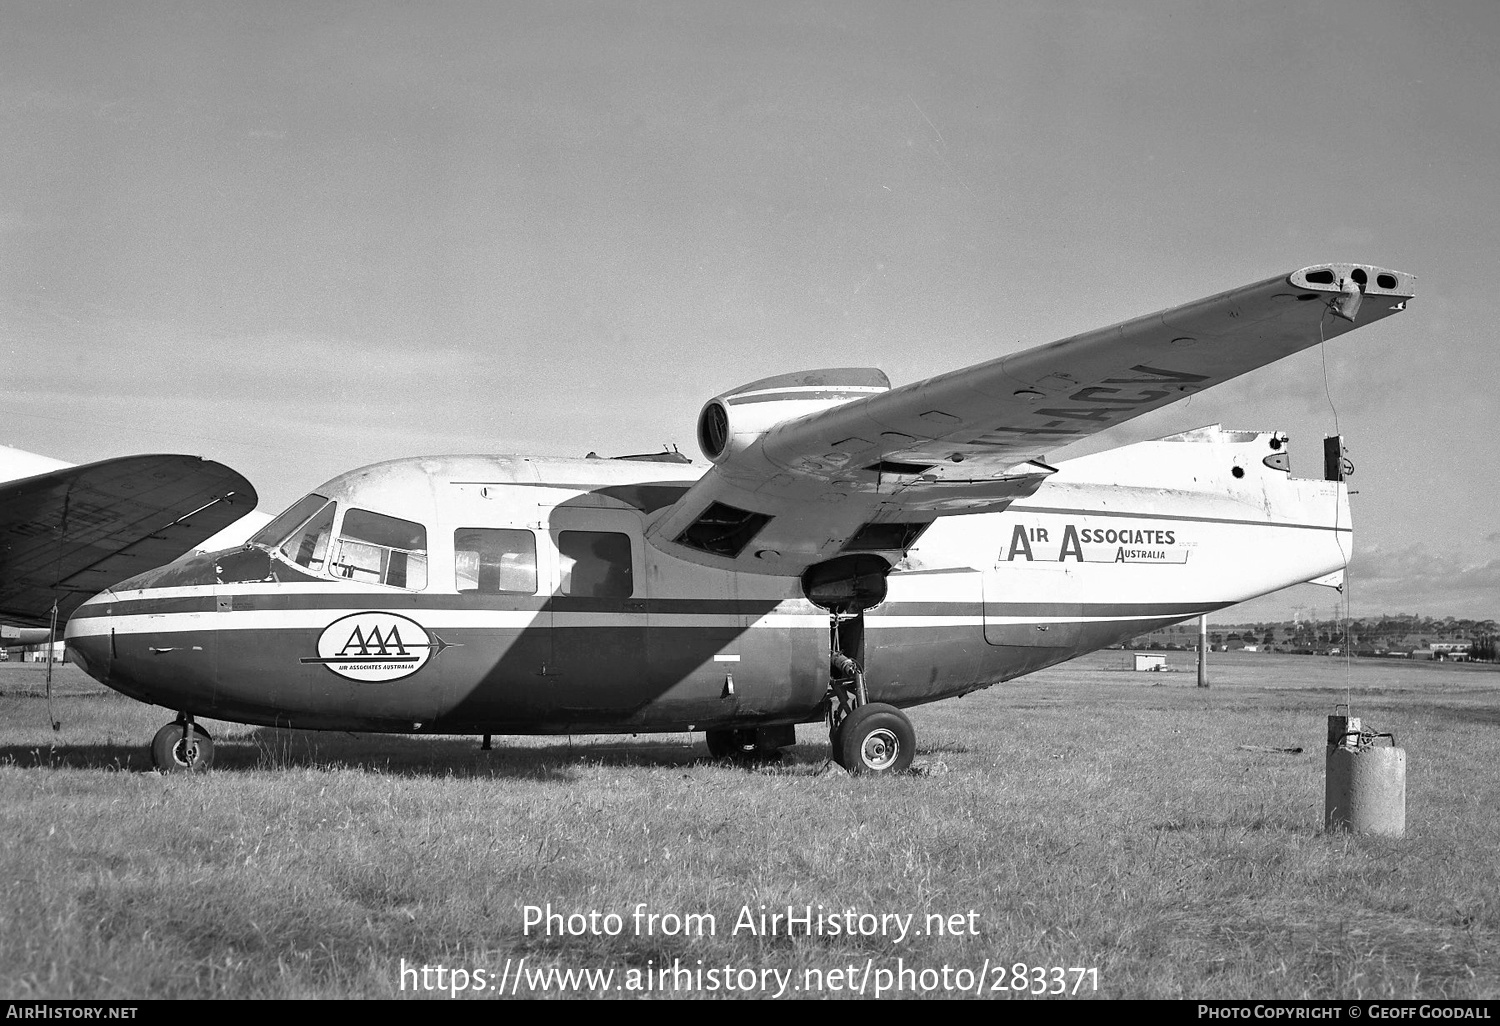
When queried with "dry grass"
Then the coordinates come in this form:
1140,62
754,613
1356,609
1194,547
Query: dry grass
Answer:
1088,817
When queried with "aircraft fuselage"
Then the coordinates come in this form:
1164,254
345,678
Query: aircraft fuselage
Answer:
480,594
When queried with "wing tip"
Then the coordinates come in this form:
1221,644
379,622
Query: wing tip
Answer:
1372,280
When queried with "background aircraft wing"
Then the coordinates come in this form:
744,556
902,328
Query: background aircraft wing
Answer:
808,467
68,534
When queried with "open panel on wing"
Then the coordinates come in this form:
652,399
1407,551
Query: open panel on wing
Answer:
809,467
68,534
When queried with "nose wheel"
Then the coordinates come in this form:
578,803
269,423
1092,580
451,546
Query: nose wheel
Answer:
182,747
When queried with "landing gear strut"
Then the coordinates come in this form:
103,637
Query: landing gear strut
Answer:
864,736
182,747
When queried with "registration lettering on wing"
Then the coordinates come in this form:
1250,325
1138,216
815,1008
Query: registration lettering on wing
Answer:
374,647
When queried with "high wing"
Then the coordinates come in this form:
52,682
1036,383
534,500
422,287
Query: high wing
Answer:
813,466
68,534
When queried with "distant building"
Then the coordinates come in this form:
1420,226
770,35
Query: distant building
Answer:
38,653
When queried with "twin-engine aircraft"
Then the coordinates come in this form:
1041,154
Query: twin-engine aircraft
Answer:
851,549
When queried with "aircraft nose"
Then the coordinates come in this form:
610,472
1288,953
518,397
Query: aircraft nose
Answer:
89,652
119,636
195,568
89,636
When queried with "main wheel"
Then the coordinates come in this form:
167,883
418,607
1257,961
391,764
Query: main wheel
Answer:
742,745
876,738
727,744
722,744
171,752
836,742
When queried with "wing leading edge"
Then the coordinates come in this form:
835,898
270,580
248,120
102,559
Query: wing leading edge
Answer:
68,534
813,466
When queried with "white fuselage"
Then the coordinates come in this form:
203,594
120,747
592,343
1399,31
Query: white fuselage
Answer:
577,622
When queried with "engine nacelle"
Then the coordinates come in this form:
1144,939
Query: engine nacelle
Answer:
733,421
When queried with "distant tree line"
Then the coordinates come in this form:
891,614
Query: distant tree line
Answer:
1366,635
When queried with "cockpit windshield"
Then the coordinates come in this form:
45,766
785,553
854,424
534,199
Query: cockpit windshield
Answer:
301,533
294,516
308,545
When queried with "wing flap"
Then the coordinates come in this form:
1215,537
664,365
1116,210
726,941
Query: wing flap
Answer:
71,533
975,439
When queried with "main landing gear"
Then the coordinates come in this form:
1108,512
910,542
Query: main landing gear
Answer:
750,744
864,736
182,747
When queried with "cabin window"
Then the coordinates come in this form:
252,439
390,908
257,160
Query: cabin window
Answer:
595,564
492,561
378,549
308,545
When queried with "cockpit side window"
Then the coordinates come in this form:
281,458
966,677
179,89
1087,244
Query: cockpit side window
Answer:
308,545
291,518
494,561
379,549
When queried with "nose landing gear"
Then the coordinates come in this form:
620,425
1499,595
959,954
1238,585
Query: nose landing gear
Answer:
182,747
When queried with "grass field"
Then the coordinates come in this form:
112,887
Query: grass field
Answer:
1085,818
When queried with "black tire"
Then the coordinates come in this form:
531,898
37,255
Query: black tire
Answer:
171,753
876,738
742,746
836,742
728,744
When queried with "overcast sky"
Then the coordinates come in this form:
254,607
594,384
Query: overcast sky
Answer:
301,237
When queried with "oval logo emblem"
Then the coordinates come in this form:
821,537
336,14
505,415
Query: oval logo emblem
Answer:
374,647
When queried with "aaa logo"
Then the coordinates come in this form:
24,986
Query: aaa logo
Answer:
375,647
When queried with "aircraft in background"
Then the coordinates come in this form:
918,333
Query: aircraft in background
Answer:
236,534
851,549
68,532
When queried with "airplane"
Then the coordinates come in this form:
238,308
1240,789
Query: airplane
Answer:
67,532
848,551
